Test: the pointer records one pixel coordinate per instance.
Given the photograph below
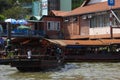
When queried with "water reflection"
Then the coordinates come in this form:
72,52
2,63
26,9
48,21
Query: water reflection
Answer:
71,71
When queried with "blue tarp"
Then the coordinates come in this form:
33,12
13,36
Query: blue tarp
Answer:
81,46
1,41
75,46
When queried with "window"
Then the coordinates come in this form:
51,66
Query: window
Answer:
48,26
66,19
103,20
57,26
53,25
75,18
117,12
99,21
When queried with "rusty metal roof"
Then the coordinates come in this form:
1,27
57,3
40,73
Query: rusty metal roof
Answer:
99,42
98,7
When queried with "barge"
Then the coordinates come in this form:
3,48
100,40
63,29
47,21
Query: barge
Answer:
102,50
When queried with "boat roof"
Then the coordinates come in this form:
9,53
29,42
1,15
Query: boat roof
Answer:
99,42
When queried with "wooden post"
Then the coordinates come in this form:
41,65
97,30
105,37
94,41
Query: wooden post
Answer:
8,35
111,19
8,30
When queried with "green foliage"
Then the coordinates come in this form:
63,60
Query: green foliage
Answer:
11,8
27,1
15,12
4,4
76,3
2,18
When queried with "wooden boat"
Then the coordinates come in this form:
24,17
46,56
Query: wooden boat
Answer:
40,58
90,50
36,63
92,53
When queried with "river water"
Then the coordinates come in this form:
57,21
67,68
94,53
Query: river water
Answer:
70,71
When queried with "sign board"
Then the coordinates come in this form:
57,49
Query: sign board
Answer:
44,7
111,2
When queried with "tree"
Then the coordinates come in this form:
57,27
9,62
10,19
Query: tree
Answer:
5,4
16,12
13,8
2,18
75,5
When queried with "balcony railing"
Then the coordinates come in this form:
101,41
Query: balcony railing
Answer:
26,33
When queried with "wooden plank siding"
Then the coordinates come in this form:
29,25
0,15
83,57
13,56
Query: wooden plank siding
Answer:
71,28
76,29
52,33
84,29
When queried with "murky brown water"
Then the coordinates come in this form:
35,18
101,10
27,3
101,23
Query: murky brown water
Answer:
71,71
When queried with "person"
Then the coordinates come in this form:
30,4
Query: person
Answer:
29,53
8,45
16,51
58,51
6,49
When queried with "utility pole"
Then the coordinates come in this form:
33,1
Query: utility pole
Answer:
111,3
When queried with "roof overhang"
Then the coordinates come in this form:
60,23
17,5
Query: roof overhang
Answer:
99,42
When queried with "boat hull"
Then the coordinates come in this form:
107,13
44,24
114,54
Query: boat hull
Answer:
93,58
36,64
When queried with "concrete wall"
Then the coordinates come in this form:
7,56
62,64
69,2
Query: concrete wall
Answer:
99,30
102,30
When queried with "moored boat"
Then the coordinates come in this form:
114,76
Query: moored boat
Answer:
90,50
104,53
28,58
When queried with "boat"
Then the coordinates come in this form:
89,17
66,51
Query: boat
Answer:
92,51
74,35
25,57
102,50
92,54
36,63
